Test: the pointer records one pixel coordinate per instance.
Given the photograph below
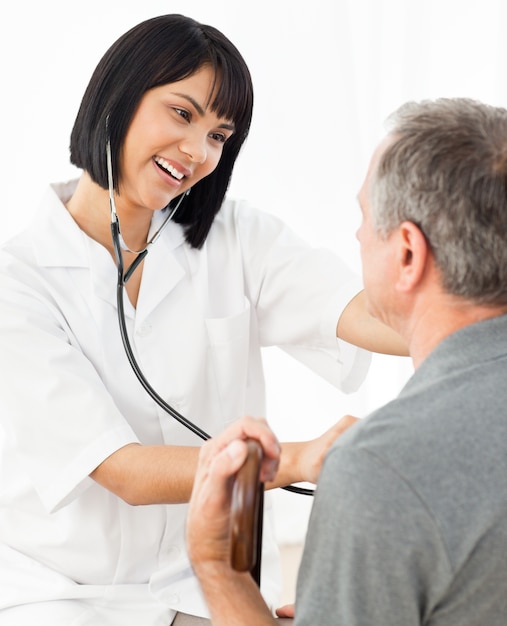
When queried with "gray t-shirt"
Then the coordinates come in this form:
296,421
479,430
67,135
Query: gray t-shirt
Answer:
409,524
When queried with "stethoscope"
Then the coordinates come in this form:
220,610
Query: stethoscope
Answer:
123,276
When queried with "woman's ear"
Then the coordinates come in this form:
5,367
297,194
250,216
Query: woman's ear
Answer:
413,256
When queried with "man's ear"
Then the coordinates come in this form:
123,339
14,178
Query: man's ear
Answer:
413,256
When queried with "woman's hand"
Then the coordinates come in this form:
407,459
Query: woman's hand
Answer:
313,454
302,461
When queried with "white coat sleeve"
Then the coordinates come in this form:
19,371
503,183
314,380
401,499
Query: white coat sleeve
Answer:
299,293
59,420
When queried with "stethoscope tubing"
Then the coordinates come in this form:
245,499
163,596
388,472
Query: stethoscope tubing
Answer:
123,277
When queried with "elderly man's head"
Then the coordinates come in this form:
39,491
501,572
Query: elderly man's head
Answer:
443,167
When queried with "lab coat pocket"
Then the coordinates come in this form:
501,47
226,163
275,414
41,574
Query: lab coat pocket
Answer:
229,341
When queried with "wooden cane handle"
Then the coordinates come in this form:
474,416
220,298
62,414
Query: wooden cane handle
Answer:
245,507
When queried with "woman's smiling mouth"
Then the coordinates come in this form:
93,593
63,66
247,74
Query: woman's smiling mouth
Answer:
167,167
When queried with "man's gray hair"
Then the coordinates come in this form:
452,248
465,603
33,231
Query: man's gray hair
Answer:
446,171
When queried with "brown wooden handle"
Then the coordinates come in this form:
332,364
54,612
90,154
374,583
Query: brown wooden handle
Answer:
246,511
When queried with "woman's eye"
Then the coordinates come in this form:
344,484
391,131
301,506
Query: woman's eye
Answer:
183,113
220,137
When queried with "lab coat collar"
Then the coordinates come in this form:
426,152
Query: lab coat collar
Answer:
59,242
161,271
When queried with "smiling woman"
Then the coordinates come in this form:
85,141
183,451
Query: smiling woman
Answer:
138,66
187,139
173,142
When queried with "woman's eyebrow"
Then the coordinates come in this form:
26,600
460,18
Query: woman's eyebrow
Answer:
200,110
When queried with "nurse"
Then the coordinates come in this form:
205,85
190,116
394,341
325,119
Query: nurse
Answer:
94,476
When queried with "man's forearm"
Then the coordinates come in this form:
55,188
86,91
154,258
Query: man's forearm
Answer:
232,597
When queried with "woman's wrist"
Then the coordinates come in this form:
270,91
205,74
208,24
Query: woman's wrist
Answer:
289,470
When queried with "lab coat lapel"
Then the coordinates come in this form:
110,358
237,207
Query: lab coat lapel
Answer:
57,239
161,272
104,272
59,242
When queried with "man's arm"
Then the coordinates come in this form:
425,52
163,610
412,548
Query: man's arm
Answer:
232,597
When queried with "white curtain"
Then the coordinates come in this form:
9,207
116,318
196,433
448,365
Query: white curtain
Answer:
327,73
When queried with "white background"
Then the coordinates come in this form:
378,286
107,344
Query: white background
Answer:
326,74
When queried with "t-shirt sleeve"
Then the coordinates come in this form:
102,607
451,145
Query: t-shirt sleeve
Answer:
373,554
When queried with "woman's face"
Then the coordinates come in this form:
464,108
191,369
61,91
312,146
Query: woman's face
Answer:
173,141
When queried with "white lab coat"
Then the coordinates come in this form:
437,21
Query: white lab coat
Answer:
68,398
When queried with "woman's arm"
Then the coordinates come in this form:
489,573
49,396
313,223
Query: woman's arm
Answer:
142,474
165,474
302,461
358,327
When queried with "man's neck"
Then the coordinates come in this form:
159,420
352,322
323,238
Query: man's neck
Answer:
426,330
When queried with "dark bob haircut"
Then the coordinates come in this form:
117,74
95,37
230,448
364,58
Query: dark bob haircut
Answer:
158,51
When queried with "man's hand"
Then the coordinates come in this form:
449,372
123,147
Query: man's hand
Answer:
287,610
232,597
208,521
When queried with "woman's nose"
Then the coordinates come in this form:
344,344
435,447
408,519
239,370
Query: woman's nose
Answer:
195,148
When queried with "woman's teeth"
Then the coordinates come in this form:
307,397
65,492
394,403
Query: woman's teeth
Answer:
168,168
